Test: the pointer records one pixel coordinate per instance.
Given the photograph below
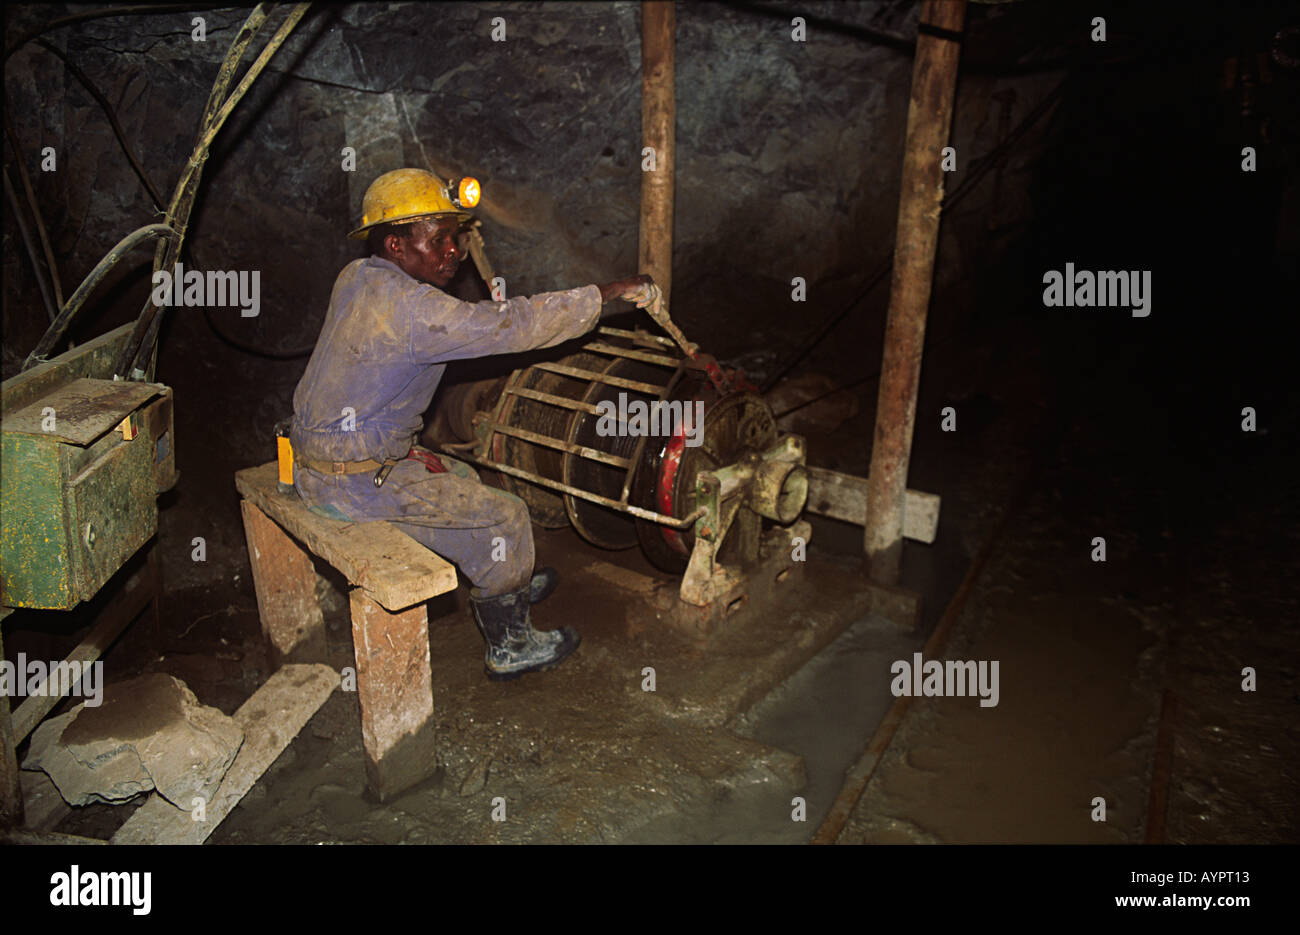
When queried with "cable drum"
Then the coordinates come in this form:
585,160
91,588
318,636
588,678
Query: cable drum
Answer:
597,524
546,424
545,506
630,481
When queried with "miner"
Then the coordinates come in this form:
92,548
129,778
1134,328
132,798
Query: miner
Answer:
388,336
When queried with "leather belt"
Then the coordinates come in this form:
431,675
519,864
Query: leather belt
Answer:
342,467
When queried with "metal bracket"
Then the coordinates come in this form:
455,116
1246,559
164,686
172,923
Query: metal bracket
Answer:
771,484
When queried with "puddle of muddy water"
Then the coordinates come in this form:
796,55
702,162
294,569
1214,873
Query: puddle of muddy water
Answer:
824,713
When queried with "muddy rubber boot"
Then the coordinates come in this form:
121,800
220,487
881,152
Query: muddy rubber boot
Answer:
543,583
513,646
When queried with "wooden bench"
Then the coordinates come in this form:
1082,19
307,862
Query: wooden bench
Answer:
391,576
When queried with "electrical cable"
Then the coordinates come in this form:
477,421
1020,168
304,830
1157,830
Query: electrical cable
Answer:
110,259
142,345
46,299
138,10
979,168
32,206
112,121
907,44
182,198
93,90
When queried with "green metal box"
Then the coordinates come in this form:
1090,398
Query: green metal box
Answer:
80,469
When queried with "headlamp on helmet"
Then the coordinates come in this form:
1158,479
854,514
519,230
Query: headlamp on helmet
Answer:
464,193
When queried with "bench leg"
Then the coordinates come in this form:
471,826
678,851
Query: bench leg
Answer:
395,688
285,581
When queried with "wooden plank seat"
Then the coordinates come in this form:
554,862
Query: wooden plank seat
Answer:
391,576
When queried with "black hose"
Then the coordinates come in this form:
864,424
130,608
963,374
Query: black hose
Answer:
178,210
273,353
93,90
137,355
60,324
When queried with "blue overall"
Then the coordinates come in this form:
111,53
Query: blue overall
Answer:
381,353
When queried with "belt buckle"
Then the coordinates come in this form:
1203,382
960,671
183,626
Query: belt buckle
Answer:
382,474
338,467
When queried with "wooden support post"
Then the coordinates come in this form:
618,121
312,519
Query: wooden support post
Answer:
658,131
285,581
929,118
11,793
395,688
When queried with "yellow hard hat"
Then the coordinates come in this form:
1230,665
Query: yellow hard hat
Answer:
405,195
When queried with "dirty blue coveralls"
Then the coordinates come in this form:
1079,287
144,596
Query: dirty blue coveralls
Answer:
381,353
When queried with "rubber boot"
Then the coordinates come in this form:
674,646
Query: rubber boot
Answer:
543,583
513,646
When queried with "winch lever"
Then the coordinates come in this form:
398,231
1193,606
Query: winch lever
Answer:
651,298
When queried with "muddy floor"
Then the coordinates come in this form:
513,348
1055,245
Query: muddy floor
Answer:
1187,629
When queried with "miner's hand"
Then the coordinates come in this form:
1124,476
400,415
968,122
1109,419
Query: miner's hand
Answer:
630,289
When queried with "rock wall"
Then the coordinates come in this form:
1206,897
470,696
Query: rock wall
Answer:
788,159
